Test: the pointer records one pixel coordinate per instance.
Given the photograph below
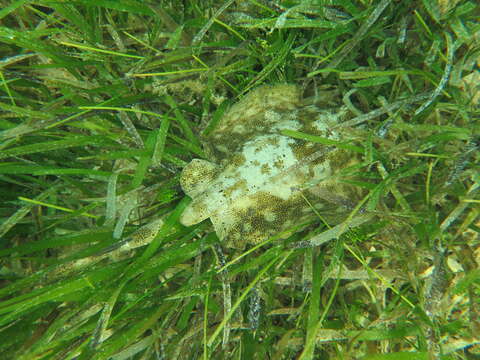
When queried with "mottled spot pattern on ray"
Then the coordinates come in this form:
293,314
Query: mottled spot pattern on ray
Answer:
250,185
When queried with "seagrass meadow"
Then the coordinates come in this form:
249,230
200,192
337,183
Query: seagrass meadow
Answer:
103,255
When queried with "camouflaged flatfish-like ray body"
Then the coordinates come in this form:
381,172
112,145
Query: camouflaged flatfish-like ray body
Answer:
249,188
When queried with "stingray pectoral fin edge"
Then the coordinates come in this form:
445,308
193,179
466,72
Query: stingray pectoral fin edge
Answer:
196,176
